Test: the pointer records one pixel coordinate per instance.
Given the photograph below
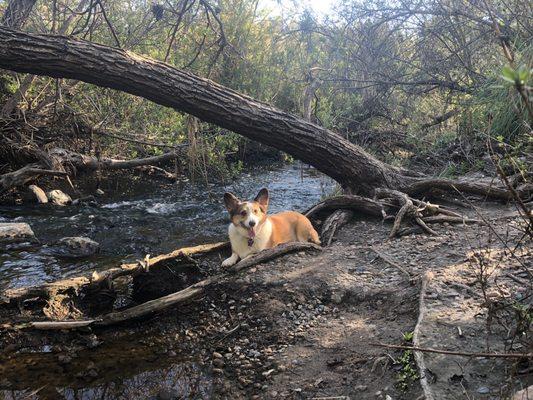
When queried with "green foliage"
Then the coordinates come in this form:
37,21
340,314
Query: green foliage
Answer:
374,72
407,373
518,77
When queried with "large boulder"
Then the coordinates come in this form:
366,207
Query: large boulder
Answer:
59,198
75,247
15,232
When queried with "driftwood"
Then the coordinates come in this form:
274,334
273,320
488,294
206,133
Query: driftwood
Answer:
24,175
39,194
182,296
75,284
454,353
80,162
333,223
84,162
419,356
349,202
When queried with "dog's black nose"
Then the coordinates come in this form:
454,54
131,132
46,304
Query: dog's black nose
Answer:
251,223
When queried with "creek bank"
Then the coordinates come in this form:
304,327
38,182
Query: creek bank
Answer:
302,326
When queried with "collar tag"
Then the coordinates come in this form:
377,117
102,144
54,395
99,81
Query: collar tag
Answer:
250,242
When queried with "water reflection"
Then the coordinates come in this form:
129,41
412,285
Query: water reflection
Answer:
185,380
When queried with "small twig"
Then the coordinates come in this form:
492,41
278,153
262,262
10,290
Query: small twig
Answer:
454,353
389,261
426,228
517,279
104,14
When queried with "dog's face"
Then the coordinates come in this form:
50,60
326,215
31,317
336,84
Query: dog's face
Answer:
247,215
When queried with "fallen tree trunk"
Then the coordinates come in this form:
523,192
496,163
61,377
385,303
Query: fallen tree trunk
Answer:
77,283
82,162
180,297
356,170
64,57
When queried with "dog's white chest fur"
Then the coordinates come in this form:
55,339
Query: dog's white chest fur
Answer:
239,239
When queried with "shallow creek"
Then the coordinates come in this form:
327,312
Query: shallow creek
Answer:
133,218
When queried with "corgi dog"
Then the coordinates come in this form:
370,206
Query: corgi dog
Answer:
252,230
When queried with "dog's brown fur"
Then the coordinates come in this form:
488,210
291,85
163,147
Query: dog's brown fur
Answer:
266,231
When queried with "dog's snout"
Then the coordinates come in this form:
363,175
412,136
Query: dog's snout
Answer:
251,223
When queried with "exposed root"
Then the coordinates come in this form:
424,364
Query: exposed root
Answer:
423,225
452,220
407,207
384,204
489,191
336,220
349,202
422,215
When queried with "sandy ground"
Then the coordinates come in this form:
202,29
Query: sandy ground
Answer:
305,326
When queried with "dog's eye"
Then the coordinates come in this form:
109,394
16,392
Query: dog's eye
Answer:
255,211
243,213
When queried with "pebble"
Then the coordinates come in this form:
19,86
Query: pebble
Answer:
483,390
92,373
218,362
64,358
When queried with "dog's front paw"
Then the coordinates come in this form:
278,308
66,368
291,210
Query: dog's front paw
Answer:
228,262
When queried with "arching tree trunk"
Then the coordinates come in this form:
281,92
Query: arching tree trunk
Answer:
64,57
356,170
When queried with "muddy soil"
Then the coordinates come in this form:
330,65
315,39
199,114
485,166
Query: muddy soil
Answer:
305,326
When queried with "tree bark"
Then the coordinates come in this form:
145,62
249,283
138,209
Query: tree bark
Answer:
64,57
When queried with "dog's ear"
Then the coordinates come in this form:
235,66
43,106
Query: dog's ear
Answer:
231,202
262,198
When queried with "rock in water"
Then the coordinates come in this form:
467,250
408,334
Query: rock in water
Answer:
39,193
75,247
59,198
15,232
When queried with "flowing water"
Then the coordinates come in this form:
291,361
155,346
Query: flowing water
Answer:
140,217
133,218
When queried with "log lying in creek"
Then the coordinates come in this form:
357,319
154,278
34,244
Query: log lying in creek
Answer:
153,306
77,283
